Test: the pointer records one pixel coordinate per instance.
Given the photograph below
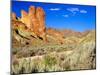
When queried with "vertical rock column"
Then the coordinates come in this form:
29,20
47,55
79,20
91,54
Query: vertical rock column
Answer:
34,21
40,14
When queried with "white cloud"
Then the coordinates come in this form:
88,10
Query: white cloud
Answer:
73,9
54,9
83,11
65,15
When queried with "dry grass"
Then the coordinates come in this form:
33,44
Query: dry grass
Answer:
58,61
55,57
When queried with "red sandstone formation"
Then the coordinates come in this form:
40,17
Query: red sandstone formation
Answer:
35,21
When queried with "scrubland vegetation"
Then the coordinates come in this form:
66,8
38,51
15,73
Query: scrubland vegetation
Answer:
50,57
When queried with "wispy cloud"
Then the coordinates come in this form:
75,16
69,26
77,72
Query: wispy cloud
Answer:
72,9
66,15
83,11
75,10
54,9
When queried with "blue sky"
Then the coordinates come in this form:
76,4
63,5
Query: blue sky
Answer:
62,16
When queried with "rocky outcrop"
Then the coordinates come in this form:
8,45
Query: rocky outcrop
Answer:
35,21
32,16
26,19
40,14
13,16
31,25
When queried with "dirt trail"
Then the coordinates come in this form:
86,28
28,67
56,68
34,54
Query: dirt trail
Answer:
41,56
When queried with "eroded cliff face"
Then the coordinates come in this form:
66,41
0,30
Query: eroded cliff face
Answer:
26,19
40,14
34,20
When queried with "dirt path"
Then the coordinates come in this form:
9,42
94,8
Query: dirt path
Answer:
41,56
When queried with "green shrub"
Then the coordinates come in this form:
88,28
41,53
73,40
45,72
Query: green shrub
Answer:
49,62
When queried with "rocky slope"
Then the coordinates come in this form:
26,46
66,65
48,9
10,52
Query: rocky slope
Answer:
32,22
